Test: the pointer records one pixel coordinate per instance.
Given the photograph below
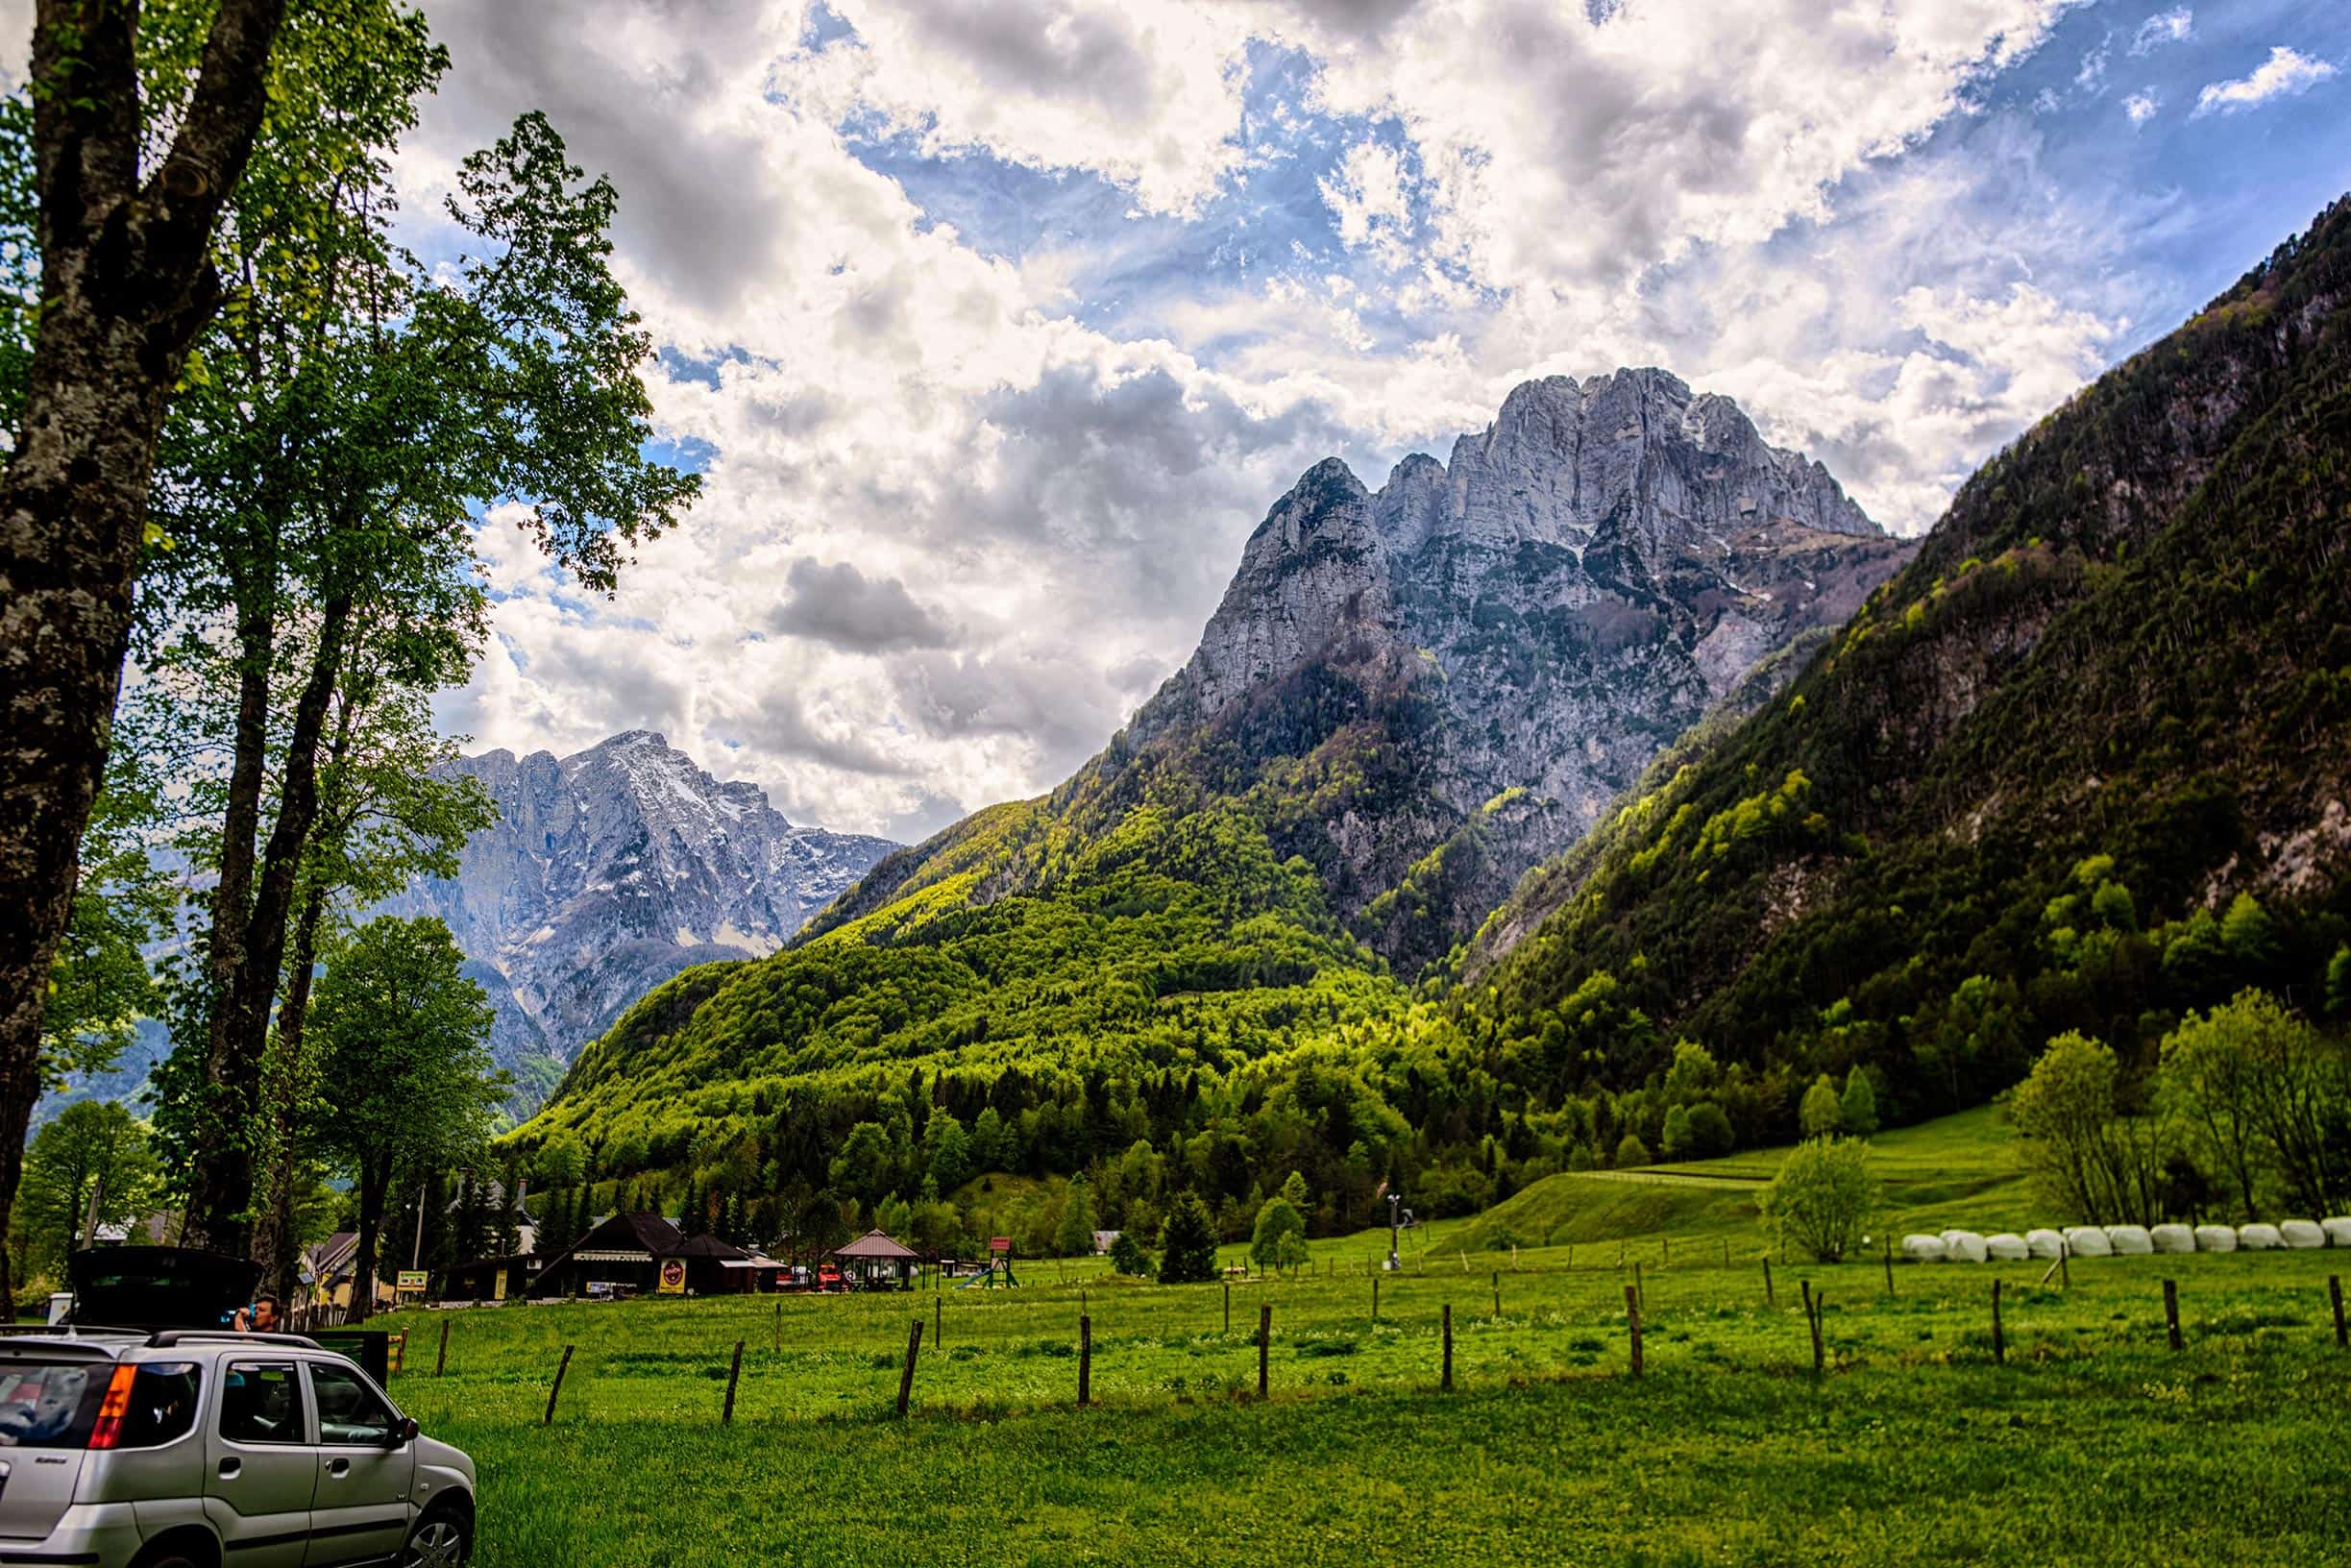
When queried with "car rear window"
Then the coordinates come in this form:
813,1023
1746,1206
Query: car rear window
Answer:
50,1404
56,1405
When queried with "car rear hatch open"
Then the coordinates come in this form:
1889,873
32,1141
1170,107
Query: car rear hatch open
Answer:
50,1396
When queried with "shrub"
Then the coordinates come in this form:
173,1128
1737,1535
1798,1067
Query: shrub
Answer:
1823,1198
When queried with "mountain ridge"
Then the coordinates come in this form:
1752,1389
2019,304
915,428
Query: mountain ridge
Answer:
610,869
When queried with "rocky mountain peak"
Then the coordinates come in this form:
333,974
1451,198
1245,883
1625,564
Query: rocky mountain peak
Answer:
612,869
1573,587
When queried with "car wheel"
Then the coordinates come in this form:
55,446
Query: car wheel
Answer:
439,1540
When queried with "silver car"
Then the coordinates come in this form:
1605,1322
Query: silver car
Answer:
195,1449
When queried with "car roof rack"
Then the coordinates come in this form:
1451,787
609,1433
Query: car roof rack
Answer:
168,1338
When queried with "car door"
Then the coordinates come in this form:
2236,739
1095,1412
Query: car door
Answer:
359,1509
260,1463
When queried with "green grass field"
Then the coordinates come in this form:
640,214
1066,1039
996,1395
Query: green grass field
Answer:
2093,1443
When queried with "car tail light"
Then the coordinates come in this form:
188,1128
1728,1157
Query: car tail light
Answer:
108,1433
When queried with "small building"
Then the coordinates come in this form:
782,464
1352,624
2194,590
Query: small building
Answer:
328,1268
643,1254
490,1279
875,1259
1104,1240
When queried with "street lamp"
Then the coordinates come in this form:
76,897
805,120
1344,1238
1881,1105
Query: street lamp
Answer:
1394,1220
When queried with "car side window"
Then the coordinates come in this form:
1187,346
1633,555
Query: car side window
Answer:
261,1402
162,1405
349,1412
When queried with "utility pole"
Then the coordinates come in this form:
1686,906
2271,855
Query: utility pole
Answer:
1393,1200
416,1253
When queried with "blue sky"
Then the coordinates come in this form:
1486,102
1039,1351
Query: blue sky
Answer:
998,323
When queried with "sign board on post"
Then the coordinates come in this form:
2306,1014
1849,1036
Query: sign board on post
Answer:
498,1285
999,1243
413,1278
672,1276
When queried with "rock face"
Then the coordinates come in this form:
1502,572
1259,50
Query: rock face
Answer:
1572,589
607,872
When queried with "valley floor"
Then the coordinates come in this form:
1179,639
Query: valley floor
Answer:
2093,1443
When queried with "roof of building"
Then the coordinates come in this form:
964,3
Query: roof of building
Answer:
874,1244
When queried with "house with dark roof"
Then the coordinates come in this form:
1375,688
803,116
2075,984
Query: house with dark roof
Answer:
643,1254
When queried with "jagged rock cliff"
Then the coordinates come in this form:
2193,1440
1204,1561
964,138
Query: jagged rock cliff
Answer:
1540,613
607,872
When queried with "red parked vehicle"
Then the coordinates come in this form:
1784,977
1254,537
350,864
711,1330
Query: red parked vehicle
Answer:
828,1278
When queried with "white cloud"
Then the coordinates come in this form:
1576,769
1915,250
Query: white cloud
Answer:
2142,106
2165,27
2284,74
1366,193
1038,513
1145,94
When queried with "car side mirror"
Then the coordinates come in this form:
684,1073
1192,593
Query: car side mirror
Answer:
403,1431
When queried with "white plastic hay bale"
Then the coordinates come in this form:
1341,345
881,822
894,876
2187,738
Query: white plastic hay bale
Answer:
2130,1240
1963,1247
1925,1249
2259,1238
2088,1241
2338,1230
2008,1247
2174,1239
2215,1238
2052,1244
2301,1235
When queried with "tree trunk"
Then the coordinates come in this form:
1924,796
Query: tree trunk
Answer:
220,1183
375,1182
125,288
273,1236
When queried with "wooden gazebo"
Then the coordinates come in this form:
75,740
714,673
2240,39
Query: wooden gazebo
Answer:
876,1259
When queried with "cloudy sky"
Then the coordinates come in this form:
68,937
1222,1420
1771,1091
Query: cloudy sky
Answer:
996,325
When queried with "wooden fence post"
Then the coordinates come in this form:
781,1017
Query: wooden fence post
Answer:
1666,1255
1497,1292
2065,1266
779,1328
1264,1342
440,1359
906,1378
1999,1342
1085,1361
553,1394
1445,1380
1813,1306
2334,1293
939,1320
1375,1298
734,1373
1633,1315
1228,1306
2172,1312
1889,1256
1637,1293
1770,1298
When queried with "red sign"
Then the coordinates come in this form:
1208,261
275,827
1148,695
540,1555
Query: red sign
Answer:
673,1277
999,1243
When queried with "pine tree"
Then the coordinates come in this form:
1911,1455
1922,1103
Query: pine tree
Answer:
1187,1243
1074,1236
509,1215
1858,1110
1820,1114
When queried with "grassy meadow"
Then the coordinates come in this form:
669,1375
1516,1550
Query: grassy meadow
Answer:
2093,1442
